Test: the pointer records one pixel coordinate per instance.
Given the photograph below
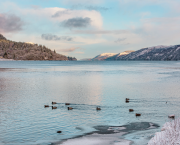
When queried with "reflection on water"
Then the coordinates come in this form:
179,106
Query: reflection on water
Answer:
26,86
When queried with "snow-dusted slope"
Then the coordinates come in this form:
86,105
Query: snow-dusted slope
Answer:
169,135
124,53
115,57
104,56
154,53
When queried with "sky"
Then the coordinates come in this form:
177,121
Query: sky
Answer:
87,28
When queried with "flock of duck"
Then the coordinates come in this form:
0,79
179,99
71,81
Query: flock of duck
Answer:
69,108
138,114
97,108
131,110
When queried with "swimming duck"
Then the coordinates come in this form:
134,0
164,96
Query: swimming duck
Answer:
98,108
67,103
70,108
137,114
46,106
171,116
54,103
127,100
53,107
131,110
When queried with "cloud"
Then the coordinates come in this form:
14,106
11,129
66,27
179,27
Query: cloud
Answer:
120,40
50,16
61,13
83,1
96,8
77,22
100,31
89,7
51,37
69,49
10,23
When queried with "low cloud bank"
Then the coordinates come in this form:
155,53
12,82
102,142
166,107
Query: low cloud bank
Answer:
51,37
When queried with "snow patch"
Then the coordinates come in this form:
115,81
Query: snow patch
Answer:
158,47
177,48
30,42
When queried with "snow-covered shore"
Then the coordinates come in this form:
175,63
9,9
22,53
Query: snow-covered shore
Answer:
2,59
169,135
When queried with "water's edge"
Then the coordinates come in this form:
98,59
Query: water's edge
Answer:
113,133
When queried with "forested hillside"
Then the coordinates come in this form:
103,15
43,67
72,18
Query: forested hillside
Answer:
26,51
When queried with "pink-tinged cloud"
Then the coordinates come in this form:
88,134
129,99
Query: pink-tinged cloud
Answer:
69,49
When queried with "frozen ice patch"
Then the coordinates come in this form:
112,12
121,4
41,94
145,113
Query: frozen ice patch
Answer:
97,139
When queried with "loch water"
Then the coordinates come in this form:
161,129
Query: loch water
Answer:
26,86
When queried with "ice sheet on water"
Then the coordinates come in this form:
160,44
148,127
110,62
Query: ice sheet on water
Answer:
97,139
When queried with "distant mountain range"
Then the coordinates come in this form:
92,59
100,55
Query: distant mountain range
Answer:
154,53
107,56
158,53
28,51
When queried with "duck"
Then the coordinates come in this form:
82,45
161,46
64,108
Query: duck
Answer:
54,107
67,103
131,110
54,103
137,114
46,106
59,131
171,116
127,100
98,108
70,108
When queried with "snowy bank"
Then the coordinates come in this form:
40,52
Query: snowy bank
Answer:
3,59
169,135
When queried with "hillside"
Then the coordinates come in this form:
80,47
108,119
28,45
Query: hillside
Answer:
27,51
154,53
116,57
104,56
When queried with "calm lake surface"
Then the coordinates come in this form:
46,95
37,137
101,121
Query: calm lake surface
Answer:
26,86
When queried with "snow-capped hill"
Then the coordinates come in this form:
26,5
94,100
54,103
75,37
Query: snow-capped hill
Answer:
104,56
115,57
125,53
108,54
158,47
154,53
